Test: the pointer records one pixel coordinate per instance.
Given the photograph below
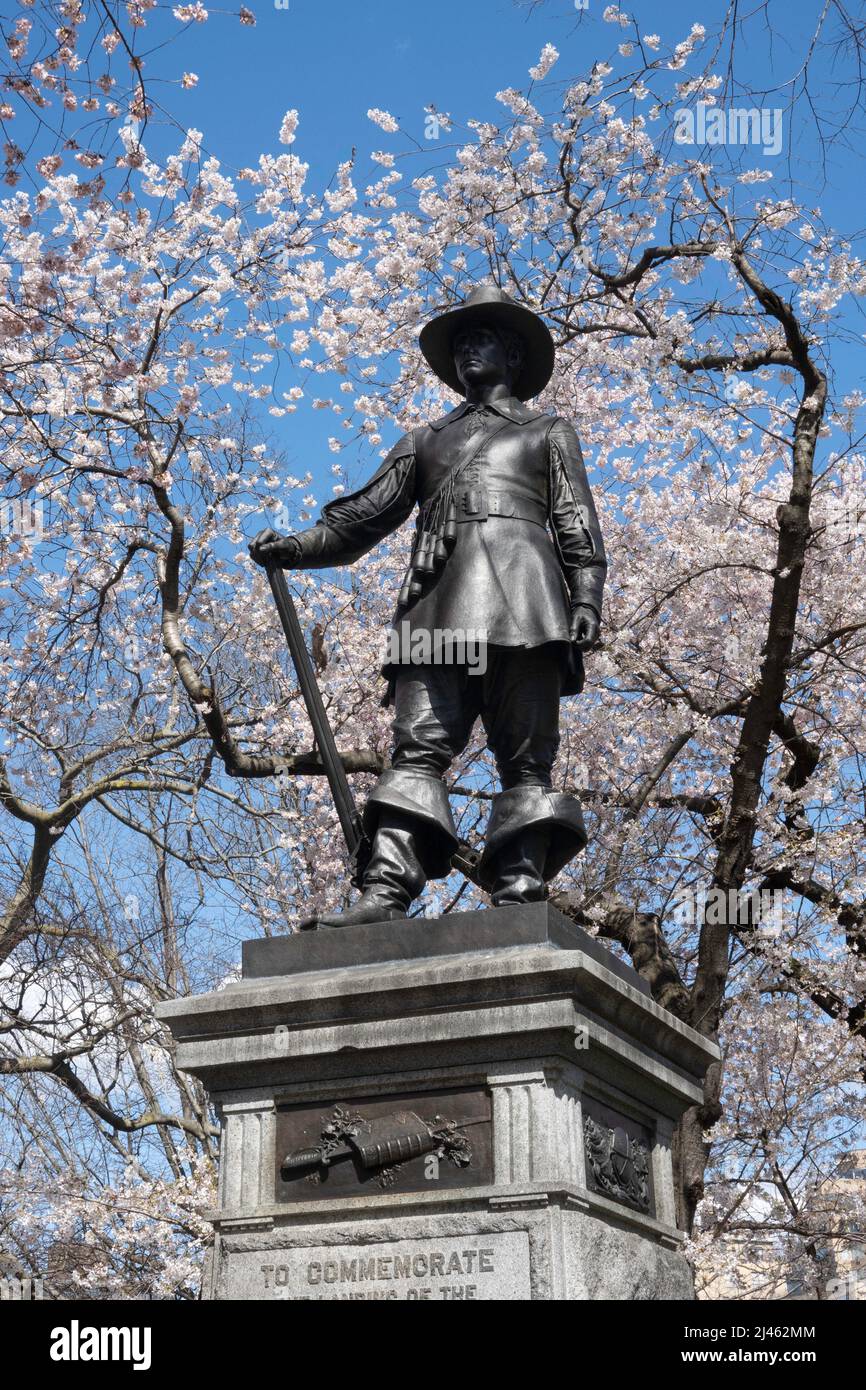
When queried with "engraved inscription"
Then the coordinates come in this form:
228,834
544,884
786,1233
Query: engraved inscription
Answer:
467,1268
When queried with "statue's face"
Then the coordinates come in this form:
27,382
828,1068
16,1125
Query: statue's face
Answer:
481,358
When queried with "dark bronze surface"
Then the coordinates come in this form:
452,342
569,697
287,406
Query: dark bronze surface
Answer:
409,1143
525,924
488,305
618,1154
508,546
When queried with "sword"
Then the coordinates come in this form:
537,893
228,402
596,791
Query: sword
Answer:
408,1136
356,839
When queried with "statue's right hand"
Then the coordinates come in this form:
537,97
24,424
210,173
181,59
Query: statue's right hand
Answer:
270,548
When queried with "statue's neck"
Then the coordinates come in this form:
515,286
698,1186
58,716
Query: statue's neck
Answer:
486,395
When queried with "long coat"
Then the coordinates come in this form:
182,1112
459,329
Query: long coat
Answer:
528,549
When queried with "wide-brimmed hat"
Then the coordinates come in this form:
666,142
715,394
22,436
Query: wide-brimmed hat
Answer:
490,305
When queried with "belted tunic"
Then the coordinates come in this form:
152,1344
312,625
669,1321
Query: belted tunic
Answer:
528,548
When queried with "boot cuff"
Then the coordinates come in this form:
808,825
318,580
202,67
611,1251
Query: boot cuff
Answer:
520,807
423,799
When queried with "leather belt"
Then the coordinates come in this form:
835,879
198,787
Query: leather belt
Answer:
480,503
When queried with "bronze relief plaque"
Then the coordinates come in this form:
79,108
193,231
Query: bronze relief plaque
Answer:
404,1143
618,1154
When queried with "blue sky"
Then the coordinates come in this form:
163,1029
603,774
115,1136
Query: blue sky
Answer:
333,61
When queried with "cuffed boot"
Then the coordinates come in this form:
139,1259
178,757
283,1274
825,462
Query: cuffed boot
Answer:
393,878
408,819
533,832
517,871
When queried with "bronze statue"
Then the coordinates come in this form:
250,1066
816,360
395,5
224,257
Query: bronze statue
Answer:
507,544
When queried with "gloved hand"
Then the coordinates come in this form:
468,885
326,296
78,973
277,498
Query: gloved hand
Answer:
585,626
269,548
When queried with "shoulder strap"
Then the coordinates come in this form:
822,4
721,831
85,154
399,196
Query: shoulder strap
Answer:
471,449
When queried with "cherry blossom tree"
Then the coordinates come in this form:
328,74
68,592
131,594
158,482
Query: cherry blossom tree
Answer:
161,323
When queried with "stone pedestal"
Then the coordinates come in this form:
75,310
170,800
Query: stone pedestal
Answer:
504,1090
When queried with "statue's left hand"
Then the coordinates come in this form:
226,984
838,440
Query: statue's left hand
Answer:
585,626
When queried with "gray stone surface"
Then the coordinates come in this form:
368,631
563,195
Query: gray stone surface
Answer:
491,1267
607,1262
542,1020
543,1251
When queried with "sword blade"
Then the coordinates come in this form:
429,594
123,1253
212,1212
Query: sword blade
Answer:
347,812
